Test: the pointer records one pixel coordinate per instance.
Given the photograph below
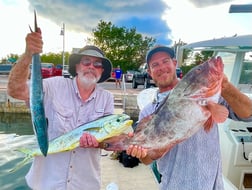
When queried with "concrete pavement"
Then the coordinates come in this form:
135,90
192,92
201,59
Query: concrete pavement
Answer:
137,178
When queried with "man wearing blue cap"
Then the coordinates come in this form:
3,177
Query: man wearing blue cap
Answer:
194,164
68,104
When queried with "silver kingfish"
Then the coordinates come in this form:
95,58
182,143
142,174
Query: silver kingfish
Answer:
39,120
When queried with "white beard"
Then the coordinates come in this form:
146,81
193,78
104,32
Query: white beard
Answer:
88,80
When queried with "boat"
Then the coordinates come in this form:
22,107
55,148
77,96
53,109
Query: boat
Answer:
235,137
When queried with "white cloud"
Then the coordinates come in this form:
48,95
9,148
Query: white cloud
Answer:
191,24
187,23
15,20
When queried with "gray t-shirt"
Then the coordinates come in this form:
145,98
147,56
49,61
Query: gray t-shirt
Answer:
195,163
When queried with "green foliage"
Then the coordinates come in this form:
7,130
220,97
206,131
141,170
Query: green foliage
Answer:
124,47
55,58
186,53
199,57
11,58
187,68
202,56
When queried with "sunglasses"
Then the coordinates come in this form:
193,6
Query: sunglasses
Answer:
88,62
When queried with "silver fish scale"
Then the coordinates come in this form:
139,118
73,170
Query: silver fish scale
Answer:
37,105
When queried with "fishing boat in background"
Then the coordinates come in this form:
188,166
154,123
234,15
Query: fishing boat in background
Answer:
235,137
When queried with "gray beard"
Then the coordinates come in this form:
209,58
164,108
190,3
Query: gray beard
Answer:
88,82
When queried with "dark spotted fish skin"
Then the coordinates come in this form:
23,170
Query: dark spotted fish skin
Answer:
183,113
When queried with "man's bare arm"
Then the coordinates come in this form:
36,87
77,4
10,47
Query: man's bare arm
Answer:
239,102
17,84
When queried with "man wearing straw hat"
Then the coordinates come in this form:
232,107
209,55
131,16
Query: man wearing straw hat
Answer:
68,103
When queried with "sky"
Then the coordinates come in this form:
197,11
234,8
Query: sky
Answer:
168,21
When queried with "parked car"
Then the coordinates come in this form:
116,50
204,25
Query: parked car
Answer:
47,70
5,68
58,70
141,77
179,72
65,72
128,76
112,75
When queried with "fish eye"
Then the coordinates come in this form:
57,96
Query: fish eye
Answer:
198,70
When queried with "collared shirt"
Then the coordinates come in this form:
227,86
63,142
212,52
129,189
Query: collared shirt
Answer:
195,163
78,169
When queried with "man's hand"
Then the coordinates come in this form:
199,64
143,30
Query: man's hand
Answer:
34,43
148,155
88,141
137,151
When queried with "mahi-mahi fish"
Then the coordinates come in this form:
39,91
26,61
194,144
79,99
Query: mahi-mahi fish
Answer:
183,112
102,128
39,120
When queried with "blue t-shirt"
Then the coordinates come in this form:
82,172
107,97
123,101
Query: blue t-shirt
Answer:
118,73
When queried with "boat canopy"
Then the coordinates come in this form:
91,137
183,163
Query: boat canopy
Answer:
235,43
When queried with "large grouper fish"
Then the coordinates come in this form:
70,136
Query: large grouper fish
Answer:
102,128
183,112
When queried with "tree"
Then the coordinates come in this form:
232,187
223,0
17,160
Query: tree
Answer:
202,56
124,47
55,58
11,58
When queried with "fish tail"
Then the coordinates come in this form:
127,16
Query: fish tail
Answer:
42,137
26,160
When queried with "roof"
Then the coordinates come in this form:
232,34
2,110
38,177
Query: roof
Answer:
235,43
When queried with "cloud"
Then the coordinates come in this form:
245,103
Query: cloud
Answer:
83,16
166,21
206,3
191,24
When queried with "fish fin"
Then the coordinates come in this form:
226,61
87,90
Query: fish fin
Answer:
115,143
219,112
208,124
143,122
26,160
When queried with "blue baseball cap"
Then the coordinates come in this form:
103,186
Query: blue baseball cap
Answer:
159,48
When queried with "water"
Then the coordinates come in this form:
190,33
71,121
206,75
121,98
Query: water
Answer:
15,131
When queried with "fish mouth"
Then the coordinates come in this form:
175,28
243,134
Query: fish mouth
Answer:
216,65
215,76
206,79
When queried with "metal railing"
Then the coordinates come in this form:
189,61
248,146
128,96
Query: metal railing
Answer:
124,90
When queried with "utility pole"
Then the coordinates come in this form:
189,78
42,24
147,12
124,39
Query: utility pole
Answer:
62,32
